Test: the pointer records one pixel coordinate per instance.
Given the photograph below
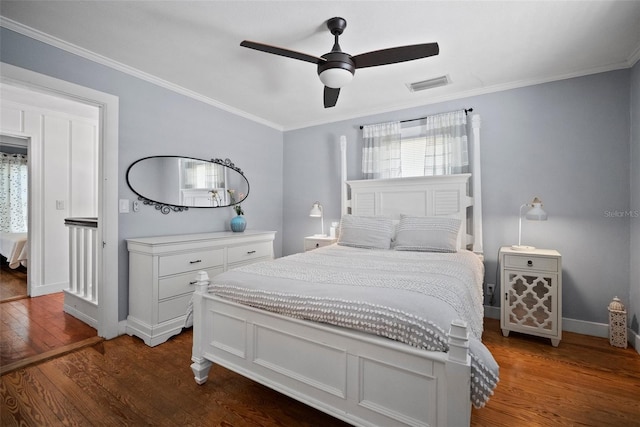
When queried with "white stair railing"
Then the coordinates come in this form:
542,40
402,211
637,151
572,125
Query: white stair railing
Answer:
81,297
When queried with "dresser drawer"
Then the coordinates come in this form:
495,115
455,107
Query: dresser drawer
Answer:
249,252
190,261
531,262
174,307
179,284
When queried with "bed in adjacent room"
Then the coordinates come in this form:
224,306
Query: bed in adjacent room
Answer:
13,246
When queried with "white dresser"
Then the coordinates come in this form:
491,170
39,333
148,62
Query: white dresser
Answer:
162,274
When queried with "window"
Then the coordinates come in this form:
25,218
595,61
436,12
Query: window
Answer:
436,145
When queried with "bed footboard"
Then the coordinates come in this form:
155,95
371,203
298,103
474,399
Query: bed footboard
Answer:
360,378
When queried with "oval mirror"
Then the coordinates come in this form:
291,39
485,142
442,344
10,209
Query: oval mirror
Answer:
175,183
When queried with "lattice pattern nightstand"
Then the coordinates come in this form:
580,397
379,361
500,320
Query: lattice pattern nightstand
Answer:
532,292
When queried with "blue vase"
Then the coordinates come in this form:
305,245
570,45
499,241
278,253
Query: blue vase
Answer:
238,223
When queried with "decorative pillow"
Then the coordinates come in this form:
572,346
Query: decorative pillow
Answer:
428,234
365,232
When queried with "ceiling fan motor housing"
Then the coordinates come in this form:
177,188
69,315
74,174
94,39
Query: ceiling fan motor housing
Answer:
337,61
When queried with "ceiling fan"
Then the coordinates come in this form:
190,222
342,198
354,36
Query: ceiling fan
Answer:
336,68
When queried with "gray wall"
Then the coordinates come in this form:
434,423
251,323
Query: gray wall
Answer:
566,142
155,121
634,275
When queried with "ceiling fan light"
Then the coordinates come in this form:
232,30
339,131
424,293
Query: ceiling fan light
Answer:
336,78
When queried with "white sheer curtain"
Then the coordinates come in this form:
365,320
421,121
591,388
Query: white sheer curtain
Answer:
446,150
381,151
13,193
435,145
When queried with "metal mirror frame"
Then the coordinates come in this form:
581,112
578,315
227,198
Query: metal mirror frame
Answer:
166,208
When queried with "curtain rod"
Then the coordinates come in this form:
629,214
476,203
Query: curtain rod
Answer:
466,111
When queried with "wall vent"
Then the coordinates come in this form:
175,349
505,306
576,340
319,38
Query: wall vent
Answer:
428,84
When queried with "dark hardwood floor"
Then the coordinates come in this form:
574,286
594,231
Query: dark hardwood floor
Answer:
36,328
583,382
13,282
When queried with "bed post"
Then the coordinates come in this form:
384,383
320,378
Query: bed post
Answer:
458,376
477,187
343,174
200,365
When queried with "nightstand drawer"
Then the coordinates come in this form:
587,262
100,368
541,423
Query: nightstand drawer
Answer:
180,263
531,262
182,283
249,252
318,242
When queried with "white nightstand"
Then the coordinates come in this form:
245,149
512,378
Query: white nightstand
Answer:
314,242
531,283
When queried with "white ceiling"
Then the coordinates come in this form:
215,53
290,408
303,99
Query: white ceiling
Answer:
193,47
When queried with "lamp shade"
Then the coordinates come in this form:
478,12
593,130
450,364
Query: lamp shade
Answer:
536,213
316,210
336,78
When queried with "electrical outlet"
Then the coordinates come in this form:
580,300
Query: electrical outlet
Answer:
490,288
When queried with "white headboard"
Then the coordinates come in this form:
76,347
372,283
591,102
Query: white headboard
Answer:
447,195
417,196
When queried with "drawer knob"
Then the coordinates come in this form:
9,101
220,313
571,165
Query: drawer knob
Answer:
530,263
251,252
317,245
195,262
193,282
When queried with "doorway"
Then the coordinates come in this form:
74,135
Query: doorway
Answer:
107,183
62,179
13,230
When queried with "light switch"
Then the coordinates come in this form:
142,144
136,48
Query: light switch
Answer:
124,205
60,205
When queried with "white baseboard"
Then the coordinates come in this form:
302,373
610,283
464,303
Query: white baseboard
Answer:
578,326
122,327
585,328
491,312
51,288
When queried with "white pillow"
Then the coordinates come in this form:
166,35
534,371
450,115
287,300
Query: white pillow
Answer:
428,234
365,232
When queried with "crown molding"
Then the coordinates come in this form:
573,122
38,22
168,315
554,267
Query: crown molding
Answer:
108,62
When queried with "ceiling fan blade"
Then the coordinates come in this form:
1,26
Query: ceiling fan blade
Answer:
282,52
330,96
395,54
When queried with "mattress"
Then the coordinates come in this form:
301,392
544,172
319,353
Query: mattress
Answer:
13,246
410,297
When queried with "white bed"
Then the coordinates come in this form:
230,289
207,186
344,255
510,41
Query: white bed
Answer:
13,246
356,376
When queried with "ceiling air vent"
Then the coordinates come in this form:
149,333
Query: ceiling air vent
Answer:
428,84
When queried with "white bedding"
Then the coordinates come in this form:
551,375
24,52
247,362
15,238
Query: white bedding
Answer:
13,246
411,297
